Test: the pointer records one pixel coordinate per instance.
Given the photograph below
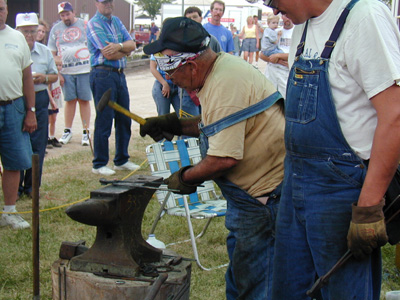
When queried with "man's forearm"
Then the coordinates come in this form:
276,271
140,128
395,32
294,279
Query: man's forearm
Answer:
385,153
28,87
209,168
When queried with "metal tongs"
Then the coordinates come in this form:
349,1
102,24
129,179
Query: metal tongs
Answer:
138,183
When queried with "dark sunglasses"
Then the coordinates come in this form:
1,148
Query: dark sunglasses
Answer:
270,3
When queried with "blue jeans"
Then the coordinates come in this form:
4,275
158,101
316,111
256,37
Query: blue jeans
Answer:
250,242
189,108
100,82
163,104
15,144
152,38
38,140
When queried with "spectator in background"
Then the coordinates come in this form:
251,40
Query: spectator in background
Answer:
215,28
56,101
165,92
249,35
270,39
236,41
109,43
195,13
153,32
277,70
44,72
17,101
68,40
43,32
260,34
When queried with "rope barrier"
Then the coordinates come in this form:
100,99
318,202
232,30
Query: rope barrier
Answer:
72,203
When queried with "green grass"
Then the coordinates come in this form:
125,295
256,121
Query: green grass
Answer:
68,179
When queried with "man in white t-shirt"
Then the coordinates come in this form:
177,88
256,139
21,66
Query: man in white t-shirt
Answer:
342,141
68,39
277,70
17,111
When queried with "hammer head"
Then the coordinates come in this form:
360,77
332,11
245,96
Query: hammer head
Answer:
104,100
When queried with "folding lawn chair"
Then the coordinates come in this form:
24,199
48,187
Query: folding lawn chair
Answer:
168,157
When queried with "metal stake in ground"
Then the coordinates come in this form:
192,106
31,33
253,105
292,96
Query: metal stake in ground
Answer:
106,100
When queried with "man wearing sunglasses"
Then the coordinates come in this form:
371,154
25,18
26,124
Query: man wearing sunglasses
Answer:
109,43
342,113
241,143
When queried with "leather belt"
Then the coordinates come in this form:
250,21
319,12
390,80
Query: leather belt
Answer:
102,67
6,102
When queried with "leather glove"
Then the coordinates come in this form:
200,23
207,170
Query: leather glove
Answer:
367,230
175,182
156,127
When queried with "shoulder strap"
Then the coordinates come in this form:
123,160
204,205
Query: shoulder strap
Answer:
241,115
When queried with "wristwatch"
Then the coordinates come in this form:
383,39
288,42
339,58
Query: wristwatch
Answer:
121,45
32,109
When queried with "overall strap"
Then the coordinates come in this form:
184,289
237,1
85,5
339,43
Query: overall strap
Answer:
300,47
241,115
330,44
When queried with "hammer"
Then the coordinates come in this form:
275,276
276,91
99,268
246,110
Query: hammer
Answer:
106,100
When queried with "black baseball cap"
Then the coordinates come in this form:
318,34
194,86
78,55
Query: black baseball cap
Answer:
180,34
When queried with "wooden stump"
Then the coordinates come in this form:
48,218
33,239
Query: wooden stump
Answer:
73,285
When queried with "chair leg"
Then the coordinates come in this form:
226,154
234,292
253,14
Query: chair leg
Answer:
153,228
193,239
204,229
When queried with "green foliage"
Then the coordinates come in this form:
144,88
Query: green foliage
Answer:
152,7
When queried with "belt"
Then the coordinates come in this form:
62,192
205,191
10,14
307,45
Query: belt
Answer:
6,102
102,67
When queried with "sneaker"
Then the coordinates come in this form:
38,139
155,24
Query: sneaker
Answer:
13,220
55,143
130,166
85,139
66,137
106,171
49,144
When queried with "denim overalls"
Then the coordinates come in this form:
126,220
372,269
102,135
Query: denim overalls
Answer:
323,177
251,224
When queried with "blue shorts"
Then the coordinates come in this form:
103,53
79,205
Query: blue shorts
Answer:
15,144
77,87
249,45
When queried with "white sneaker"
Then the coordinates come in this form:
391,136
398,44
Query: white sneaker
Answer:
66,137
130,166
106,171
85,139
13,220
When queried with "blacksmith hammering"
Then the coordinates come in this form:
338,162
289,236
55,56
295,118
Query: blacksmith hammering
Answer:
117,212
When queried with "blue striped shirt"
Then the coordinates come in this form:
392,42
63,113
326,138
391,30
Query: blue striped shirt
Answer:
101,29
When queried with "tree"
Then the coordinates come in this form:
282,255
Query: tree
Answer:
152,7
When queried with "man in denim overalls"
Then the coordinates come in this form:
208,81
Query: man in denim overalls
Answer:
342,115
241,137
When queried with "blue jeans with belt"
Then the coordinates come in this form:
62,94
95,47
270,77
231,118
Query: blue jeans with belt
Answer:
100,81
38,140
323,177
250,242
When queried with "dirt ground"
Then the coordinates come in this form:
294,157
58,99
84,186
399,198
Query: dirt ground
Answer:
140,82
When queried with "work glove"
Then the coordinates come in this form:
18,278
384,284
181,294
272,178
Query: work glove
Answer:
165,126
367,230
175,182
